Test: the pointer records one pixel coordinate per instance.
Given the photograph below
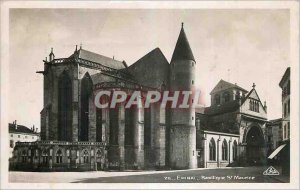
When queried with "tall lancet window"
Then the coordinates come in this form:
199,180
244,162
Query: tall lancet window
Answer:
98,124
212,150
224,150
64,107
85,95
234,151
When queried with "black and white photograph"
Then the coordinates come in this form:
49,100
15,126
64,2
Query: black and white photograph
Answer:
143,95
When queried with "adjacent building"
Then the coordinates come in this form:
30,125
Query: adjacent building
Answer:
285,86
21,133
232,129
274,134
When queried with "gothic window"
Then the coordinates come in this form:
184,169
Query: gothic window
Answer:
129,133
45,157
59,157
85,156
224,150
85,94
226,97
24,156
114,126
98,154
212,150
147,126
234,151
254,105
98,124
64,107
217,99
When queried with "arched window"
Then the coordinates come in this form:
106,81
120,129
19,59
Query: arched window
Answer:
234,151
217,99
24,156
226,96
45,157
64,107
212,150
98,124
86,91
85,156
59,157
98,154
224,150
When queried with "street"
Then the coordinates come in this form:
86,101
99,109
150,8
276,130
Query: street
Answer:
200,175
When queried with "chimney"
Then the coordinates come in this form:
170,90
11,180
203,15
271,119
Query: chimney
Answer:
16,126
265,106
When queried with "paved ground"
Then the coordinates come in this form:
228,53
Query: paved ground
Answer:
224,175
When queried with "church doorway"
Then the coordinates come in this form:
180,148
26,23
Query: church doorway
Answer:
255,146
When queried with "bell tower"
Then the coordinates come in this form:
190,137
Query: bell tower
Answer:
182,122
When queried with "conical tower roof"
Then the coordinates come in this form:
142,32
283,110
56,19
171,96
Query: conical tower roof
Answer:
182,50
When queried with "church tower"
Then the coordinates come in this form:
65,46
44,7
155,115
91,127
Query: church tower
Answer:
182,122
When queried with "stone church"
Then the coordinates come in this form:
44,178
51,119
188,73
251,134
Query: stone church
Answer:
76,135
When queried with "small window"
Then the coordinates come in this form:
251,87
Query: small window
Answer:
85,157
11,143
226,97
18,136
59,157
11,135
45,157
217,99
25,137
192,81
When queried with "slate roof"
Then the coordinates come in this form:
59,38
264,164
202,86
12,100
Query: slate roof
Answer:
182,49
227,85
20,129
151,70
226,107
94,57
285,76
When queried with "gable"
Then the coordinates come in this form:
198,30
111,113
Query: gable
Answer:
253,94
151,70
245,107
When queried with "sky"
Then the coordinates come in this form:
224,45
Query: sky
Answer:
242,46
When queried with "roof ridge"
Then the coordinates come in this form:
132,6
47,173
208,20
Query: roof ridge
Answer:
98,54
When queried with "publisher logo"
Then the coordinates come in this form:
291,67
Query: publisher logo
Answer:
271,171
